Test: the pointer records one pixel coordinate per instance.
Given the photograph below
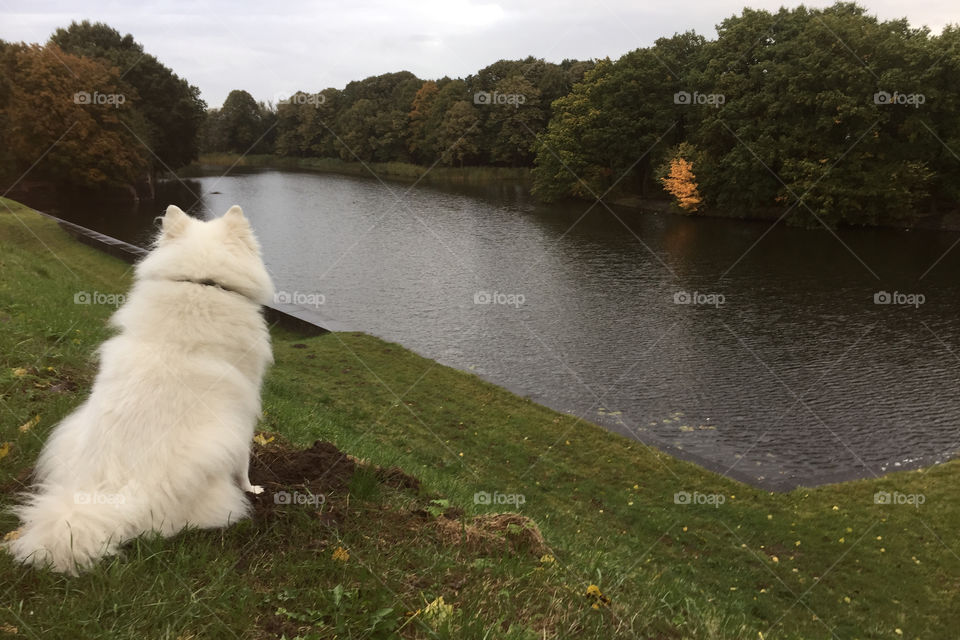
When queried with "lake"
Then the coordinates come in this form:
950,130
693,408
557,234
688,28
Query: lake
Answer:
775,355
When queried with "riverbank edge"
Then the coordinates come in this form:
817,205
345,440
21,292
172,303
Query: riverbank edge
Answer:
595,479
396,171
288,316
479,176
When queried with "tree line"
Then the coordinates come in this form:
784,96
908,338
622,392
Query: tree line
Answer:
824,114
490,118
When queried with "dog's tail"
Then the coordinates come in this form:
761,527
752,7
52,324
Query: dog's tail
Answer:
68,530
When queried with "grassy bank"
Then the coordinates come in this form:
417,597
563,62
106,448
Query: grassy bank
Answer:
392,170
817,563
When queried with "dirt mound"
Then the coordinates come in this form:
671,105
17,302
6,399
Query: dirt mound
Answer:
314,477
322,472
493,533
322,465
398,479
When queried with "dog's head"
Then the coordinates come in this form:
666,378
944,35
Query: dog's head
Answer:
223,250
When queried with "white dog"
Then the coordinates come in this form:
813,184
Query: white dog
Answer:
163,441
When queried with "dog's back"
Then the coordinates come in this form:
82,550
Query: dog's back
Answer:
163,440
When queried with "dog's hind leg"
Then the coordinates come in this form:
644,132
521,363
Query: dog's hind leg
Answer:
220,504
244,472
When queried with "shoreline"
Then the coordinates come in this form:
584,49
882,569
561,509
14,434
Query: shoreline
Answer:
485,176
399,171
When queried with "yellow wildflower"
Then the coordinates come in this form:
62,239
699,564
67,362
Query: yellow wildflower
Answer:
341,554
29,424
262,439
596,596
437,612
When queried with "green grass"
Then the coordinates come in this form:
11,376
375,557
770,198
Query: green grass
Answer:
815,563
393,170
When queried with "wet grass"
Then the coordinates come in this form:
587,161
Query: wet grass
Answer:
744,563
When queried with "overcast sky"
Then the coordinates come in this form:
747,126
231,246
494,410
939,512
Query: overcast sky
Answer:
274,48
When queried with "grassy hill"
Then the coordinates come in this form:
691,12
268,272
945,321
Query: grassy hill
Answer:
401,525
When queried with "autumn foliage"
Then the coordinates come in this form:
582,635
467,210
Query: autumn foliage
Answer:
54,132
681,183
91,109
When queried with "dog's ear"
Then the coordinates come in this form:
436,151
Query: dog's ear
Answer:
239,227
174,222
234,217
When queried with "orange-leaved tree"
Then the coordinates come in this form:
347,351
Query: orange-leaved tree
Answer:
681,183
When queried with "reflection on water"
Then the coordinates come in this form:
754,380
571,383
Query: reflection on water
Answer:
797,377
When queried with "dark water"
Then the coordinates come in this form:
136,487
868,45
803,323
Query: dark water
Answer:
798,377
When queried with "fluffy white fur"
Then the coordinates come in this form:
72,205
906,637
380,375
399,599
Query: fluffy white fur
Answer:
163,441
